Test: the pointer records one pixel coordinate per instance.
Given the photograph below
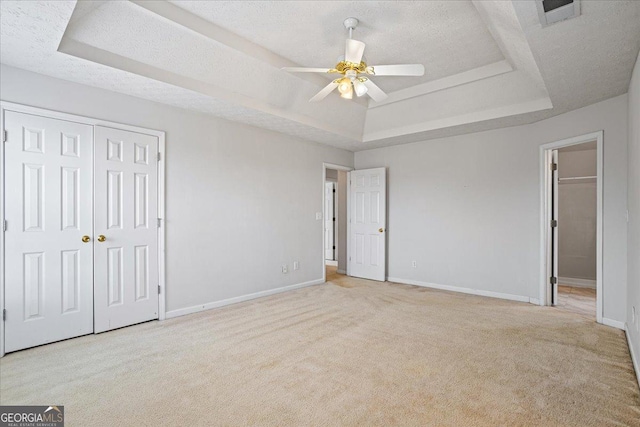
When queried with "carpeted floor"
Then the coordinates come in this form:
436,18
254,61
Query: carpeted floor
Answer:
350,352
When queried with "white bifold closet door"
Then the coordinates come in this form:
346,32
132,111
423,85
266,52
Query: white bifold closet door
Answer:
48,208
126,228
81,244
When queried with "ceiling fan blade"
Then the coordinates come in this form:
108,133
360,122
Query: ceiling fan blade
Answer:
354,51
374,91
324,92
306,70
398,70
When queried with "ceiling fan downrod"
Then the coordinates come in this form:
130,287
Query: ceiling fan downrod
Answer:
351,24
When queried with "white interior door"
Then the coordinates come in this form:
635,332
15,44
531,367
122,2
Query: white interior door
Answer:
126,211
367,239
329,221
554,228
48,195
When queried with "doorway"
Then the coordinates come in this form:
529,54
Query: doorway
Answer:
334,221
577,218
571,228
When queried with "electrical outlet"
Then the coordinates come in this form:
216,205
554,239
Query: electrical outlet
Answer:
285,269
296,265
414,264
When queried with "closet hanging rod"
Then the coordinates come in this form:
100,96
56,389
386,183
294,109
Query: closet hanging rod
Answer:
572,178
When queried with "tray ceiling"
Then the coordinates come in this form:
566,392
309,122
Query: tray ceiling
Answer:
488,63
447,38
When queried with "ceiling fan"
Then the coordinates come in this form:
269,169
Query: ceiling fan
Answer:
355,72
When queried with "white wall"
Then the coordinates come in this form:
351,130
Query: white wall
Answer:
241,201
466,208
633,201
577,216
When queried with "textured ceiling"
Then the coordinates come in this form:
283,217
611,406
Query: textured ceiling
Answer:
447,37
588,58
224,59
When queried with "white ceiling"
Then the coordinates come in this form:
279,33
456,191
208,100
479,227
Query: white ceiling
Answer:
488,63
447,38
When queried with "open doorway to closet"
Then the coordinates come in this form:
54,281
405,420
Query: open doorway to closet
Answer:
573,225
577,224
335,221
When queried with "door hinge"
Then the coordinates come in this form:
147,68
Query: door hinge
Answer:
334,219
553,280
159,290
4,225
554,166
159,222
554,223
158,156
334,190
4,314
334,248
4,136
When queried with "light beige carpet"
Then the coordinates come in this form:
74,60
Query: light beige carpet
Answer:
350,352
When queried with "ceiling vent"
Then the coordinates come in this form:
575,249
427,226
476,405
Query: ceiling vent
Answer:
551,11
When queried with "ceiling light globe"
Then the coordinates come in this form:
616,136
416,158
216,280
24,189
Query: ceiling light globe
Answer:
347,95
344,87
359,87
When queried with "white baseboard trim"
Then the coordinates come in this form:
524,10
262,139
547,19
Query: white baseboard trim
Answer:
613,323
581,283
461,290
634,360
331,263
341,272
235,300
534,301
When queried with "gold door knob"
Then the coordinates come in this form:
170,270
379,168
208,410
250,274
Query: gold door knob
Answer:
381,229
86,239
101,238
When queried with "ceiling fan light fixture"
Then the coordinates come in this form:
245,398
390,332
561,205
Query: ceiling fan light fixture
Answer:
359,87
353,67
344,86
348,94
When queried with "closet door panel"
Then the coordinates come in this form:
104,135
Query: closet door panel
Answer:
126,211
48,208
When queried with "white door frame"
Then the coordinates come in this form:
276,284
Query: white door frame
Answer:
334,219
10,106
326,166
545,215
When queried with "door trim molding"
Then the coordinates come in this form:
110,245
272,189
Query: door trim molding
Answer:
347,169
545,218
37,111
